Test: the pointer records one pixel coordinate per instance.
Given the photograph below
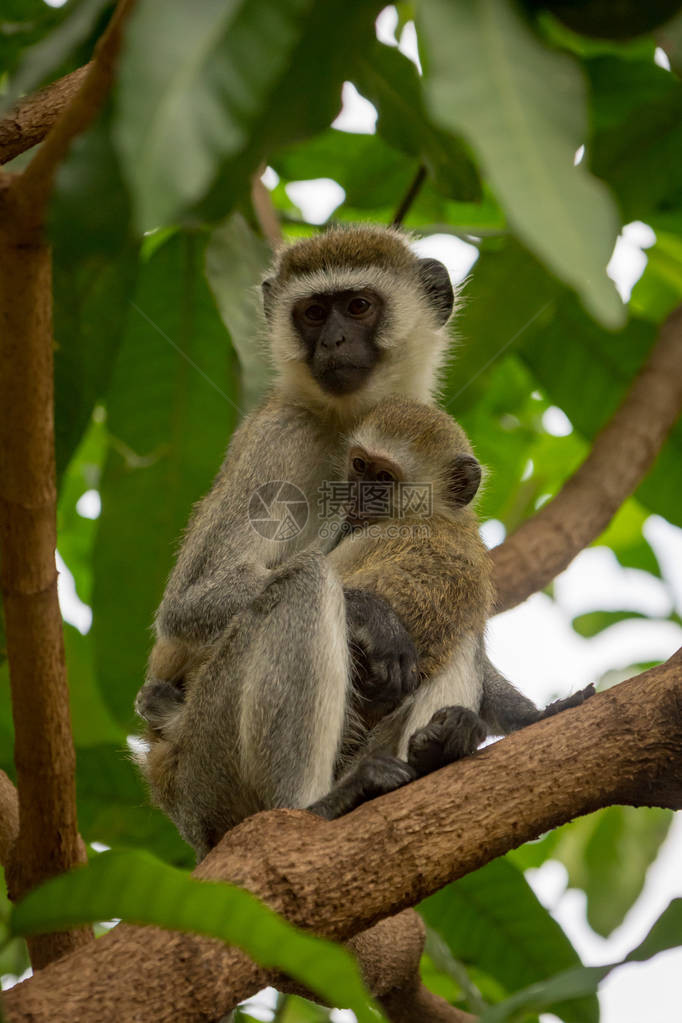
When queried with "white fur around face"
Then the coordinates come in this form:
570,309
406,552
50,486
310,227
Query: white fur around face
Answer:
414,345
457,685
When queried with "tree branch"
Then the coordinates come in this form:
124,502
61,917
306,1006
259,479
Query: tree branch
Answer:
48,842
623,453
266,213
9,818
409,197
34,116
339,878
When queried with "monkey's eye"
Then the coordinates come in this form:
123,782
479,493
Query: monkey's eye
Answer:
315,313
359,465
358,306
384,476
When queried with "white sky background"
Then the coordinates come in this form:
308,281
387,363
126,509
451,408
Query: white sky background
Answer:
535,645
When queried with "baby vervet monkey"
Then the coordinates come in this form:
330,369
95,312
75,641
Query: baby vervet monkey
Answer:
411,476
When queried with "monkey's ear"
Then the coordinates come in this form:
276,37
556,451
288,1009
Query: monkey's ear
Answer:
464,479
435,280
268,289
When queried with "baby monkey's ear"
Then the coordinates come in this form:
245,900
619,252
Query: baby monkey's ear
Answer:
464,479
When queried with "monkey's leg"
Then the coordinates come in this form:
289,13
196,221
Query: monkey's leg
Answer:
371,777
264,718
451,734
505,709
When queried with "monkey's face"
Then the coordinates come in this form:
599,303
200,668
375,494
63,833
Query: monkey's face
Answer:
339,330
374,482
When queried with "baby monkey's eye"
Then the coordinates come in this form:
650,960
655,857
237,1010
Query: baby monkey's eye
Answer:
359,465
358,306
384,476
315,313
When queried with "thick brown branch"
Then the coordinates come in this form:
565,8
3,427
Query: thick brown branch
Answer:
33,117
622,454
622,746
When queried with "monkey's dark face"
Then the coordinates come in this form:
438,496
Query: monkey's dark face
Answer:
380,476
338,330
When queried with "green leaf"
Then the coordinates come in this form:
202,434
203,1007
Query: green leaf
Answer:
636,144
52,48
94,269
189,94
607,855
523,109
236,260
659,289
172,406
492,918
581,982
114,808
391,82
594,622
91,721
135,887
666,933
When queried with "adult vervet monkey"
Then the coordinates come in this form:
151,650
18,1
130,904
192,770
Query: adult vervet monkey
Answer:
353,315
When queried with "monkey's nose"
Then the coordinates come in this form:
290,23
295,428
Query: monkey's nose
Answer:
329,344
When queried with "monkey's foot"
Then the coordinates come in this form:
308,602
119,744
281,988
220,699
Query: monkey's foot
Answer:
570,701
452,733
374,776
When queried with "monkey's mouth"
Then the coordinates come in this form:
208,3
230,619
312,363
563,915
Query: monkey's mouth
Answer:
342,378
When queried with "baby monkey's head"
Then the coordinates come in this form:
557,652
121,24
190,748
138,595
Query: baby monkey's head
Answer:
402,441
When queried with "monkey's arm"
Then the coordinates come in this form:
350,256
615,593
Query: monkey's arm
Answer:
439,593
504,709
227,553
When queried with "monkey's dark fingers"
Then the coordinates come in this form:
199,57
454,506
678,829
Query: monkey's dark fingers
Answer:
570,701
452,733
157,701
374,776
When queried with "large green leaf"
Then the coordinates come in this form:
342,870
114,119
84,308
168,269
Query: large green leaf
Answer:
171,408
190,89
236,260
522,107
493,919
581,982
113,806
68,28
135,887
636,142
659,289
391,82
94,269
607,854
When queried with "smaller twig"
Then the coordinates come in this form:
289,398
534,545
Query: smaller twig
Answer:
266,214
33,117
35,184
411,194
9,818
621,456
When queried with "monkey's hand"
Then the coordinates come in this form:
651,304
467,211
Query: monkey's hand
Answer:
569,701
369,778
452,733
384,656
159,701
